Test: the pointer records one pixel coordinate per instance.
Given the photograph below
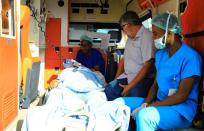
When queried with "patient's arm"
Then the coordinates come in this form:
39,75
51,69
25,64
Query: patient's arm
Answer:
96,68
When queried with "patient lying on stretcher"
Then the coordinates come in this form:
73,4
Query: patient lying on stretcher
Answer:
72,64
77,102
79,80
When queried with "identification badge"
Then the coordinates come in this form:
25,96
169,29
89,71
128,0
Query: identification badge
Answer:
171,92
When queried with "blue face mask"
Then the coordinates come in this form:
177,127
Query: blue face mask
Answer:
159,44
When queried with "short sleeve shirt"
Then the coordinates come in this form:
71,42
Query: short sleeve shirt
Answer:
95,59
171,70
137,52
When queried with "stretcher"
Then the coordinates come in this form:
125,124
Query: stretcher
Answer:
77,106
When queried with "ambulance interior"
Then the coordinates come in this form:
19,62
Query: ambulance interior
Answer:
38,36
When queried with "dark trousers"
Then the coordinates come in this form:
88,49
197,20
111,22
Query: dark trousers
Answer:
113,90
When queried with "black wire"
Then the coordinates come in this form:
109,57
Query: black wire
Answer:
41,29
34,12
128,4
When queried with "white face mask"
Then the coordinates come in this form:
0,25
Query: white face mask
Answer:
159,44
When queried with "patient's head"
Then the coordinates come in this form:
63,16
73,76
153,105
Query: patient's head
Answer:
85,44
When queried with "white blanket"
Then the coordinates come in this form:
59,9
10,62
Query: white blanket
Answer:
77,110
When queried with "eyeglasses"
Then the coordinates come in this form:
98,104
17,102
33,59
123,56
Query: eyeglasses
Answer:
122,26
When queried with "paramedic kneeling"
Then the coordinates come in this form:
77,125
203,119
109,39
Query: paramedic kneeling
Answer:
172,100
90,57
133,77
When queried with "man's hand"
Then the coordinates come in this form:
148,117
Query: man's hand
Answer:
126,89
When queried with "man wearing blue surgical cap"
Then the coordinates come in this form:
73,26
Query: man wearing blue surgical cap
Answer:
172,100
90,57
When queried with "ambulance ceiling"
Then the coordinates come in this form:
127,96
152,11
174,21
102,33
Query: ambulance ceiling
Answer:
99,2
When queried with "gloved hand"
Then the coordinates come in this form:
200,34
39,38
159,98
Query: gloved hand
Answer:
133,114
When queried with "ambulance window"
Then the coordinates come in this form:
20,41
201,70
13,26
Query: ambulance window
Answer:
147,19
147,23
77,29
7,18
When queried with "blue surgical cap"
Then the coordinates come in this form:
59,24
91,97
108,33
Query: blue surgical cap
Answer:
161,21
86,38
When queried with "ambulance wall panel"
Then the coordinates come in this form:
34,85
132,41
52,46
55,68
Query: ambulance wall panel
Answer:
53,42
53,31
51,53
169,5
50,75
56,11
116,8
192,20
145,4
69,52
53,64
9,74
197,43
192,23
